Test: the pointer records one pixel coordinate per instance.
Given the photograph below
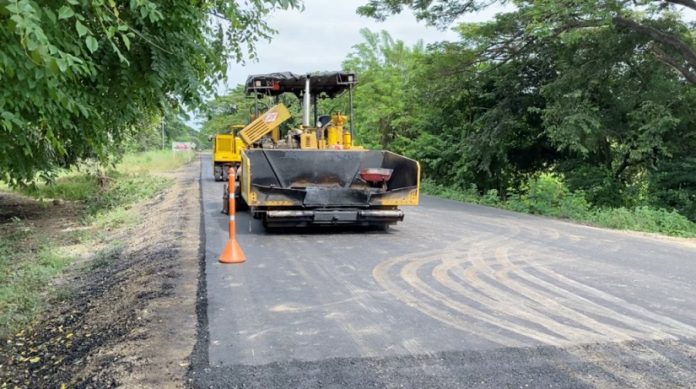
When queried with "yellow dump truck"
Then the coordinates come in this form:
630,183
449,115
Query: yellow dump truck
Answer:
315,174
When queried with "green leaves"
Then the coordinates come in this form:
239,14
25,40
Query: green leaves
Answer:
65,12
126,40
381,63
81,29
91,43
81,78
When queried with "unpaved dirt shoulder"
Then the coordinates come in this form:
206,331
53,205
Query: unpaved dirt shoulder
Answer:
131,318
156,353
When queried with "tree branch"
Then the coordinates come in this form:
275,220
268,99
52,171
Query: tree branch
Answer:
666,59
686,3
666,39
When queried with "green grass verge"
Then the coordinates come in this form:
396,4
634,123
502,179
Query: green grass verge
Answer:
29,259
155,161
24,275
547,195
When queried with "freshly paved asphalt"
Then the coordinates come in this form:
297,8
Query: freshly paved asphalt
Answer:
456,295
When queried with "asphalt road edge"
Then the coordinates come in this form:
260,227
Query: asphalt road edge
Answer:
199,356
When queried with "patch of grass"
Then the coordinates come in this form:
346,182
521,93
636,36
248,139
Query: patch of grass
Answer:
104,257
113,208
124,189
112,189
24,274
29,260
469,195
155,161
115,218
70,186
129,181
644,219
548,195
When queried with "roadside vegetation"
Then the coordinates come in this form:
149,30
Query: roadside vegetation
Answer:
82,78
583,112
57,223
548,195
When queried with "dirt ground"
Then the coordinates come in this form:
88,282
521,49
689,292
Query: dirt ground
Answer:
129,318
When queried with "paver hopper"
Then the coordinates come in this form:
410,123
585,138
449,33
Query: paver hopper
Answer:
303,187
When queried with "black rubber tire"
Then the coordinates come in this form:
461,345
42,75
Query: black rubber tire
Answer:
240,204
224,200
381,227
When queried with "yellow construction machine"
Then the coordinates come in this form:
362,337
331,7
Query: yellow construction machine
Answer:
314,174
227,152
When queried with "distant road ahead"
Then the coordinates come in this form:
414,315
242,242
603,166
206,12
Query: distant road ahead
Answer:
456,295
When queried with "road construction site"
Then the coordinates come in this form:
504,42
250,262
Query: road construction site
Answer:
456,295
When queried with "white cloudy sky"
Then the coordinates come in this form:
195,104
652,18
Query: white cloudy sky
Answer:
320,37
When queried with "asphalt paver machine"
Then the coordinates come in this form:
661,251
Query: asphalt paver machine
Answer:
314,174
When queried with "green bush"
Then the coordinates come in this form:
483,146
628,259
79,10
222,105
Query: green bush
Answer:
547,194
644,219
574,206
449,192
72,187
491,197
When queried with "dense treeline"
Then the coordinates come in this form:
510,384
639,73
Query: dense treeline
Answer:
594,94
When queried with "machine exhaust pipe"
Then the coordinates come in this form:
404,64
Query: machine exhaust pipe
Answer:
306,107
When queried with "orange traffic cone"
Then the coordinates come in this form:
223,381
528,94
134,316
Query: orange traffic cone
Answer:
232,253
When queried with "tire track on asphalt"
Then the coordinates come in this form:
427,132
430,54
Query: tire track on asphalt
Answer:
487,296
429,307
630,351
319,277
527,306
508,304
546,303
676,327
506,289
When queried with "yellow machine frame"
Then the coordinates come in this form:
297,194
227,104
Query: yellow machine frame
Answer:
227,152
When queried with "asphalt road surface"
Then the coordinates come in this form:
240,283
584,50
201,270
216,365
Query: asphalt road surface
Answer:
457,295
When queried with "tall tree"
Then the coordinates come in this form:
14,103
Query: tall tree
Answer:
383,66
232,108
79,77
